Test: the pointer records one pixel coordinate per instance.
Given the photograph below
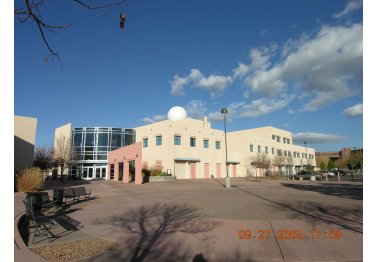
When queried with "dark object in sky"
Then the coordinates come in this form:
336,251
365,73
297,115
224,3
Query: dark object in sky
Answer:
122,20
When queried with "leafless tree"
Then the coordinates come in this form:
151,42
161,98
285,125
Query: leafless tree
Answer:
279,161
263,162
62,152
30,12
290,163
44,158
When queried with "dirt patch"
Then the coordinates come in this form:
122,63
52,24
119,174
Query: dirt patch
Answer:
73,250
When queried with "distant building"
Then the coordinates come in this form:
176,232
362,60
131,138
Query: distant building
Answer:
24,141
335,155
187,149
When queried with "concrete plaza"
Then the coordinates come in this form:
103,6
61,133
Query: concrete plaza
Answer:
201,220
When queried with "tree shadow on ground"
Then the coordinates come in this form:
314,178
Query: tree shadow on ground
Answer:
320,212
350,217
340,190
150,226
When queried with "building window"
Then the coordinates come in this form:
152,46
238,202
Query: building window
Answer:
266,150
285,153
278,139
177,140
145,142
217,145
298,155
272,150
251,148
193,142
294,154
288,141
158,140
284,140
206,143
289,153
259,149
273,137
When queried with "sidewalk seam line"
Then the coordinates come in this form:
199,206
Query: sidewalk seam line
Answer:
276,240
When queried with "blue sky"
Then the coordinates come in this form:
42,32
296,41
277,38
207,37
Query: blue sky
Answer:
294,65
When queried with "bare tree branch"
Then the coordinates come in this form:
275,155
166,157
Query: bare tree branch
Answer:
99,7
31,12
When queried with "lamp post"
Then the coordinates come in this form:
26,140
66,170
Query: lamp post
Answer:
305,145
224,112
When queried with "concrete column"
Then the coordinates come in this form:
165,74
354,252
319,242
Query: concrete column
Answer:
116,171
108,175
126,171
138,170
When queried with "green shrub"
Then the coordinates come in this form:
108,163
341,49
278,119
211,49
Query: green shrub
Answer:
155,172
29,179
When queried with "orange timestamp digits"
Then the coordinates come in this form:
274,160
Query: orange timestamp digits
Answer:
266,234
248,234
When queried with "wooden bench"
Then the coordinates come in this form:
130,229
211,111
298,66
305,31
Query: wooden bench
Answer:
81,191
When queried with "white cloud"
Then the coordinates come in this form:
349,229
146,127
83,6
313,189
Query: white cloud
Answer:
196,109
353,111
325,68
351,6
157,118
215,84
177,85
316,138
261,106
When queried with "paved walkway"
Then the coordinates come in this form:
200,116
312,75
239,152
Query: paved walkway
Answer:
200,220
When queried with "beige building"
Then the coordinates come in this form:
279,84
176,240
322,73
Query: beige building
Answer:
190,148
187,149
25,129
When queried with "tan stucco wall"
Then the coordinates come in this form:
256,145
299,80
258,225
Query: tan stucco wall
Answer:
238,146
167,152
24,141
240,141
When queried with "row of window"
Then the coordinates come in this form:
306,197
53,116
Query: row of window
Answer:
279,152
177,142
278,139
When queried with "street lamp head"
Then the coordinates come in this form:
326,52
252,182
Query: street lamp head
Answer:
224,111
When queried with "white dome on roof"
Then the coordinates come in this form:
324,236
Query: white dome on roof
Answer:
176,113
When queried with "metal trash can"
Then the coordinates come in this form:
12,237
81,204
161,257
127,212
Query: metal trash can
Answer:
35,199
58,196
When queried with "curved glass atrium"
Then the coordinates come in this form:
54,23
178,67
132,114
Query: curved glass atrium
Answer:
90,146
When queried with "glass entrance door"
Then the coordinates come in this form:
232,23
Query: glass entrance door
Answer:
87,173
97,172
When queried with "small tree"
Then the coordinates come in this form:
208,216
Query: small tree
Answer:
290,163
43,158
355,161
279,161
263,162
62,152
331,165
322,165
342,162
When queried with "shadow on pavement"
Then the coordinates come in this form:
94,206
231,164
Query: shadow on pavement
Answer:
340,190
150,226
318,212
